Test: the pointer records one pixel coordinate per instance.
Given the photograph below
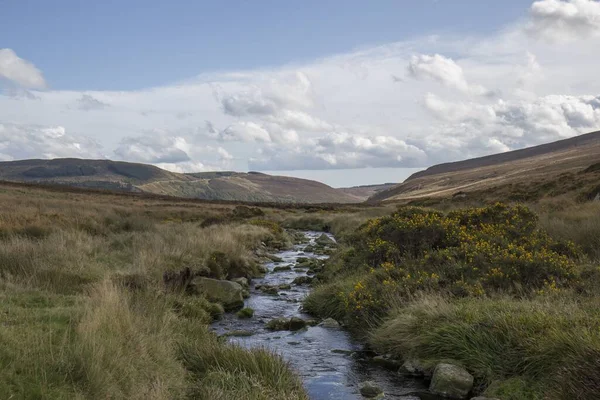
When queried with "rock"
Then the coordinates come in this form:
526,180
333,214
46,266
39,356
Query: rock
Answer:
269,290
451,381
387,362
239,333
274,258
245,313
484,398
278,324
284,286
282,268
228,293
243,282
245,294
370,389
301,260
330,323
414,368
302,280
342,351
325,240
295,324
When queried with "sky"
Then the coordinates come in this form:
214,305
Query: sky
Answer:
345,92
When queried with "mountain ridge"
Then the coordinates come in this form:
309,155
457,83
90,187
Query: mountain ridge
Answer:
137,177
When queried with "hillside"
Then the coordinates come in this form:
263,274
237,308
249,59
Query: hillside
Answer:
549,170
132,177
365,191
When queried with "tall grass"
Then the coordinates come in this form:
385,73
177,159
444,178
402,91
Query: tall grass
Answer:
84,313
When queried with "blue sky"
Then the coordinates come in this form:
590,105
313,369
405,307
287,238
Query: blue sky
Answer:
133,44
346,92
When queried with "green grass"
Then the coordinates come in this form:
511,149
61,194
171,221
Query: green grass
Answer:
84,312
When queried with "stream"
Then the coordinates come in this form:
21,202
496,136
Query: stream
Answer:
331,364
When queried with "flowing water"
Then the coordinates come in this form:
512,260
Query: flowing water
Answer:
331,364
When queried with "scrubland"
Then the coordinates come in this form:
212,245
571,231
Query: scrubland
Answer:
85,314
506,291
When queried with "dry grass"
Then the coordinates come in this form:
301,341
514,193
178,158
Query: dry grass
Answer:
83,310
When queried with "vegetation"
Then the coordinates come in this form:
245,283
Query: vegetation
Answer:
510,296
88,309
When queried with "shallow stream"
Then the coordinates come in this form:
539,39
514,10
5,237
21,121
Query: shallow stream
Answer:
330,363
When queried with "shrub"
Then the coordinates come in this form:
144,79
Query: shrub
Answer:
470,252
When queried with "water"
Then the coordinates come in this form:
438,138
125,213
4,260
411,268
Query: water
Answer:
330,363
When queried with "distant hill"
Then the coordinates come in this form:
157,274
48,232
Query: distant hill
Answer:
132,177
549,170
365,191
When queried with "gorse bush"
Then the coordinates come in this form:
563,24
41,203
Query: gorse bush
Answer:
470,252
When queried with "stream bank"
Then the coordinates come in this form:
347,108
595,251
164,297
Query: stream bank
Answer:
331,364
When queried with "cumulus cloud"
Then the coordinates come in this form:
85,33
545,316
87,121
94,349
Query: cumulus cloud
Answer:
154,149
88,103
23,141
351,110
19,71
443,70
340,150
561,20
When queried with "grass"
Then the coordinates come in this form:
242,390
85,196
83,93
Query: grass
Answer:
510,295
84,313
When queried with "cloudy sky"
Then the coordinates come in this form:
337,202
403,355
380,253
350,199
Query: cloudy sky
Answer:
346,92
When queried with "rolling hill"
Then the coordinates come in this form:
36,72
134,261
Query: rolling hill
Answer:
566,167
132,177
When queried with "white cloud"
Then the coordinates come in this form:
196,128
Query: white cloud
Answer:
560,20
444,70
355,110
340,150
20,71
88,103
18,141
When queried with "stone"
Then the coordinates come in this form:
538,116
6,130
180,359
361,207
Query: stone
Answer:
302,280
245,313
370,390
387,362
243,282
278,324
295,324
414,368
245,294
228,293
282,268
330,323
484,398
284,286
451,381
325,240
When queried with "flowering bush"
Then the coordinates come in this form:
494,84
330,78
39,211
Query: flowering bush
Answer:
469,252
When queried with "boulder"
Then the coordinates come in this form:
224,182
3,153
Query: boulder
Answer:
302,280
245,313
278,324
330,323
451,381
484,398
325,240
282,268
387,362
243,282
295,324
415,368
228,293
370,390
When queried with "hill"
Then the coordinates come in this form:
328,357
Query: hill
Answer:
132,177
566,167
365,191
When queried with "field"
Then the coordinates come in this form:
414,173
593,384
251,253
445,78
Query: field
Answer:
508,292
85,312
89,309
